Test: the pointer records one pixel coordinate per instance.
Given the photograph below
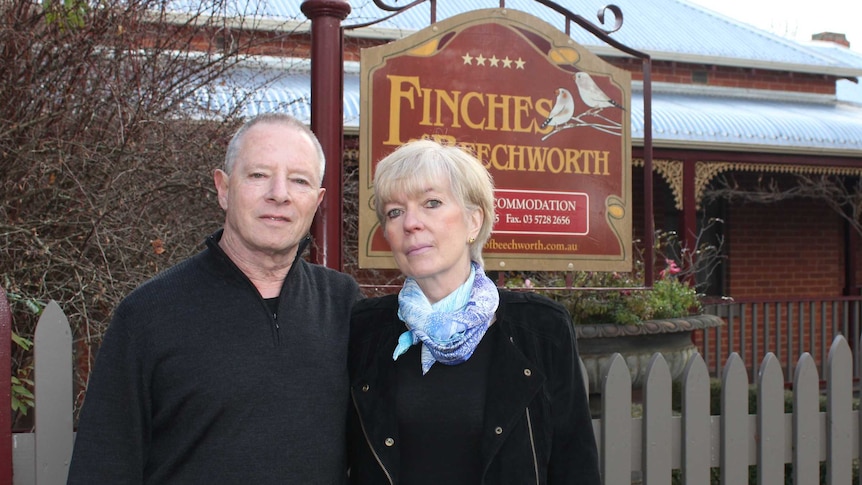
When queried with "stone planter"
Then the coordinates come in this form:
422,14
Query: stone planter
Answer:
637,344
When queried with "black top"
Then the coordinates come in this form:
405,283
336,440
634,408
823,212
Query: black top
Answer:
440,417
196,384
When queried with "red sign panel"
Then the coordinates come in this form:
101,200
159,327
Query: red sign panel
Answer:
541,212
547,118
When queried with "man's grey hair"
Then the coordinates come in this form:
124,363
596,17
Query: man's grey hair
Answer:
235,144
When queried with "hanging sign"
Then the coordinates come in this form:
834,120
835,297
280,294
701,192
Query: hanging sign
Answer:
546,117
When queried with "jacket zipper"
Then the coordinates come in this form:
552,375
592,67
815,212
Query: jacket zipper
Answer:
277,328
533,446
368,440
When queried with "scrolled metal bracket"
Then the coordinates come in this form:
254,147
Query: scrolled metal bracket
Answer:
382,5
618,17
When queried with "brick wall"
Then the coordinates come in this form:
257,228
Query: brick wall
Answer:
729,76
791,248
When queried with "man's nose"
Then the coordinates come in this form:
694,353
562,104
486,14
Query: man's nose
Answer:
279,190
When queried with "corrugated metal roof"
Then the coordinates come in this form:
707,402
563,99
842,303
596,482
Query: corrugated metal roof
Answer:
667,29
727,122
712,119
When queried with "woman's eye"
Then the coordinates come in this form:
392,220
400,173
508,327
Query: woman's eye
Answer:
433,203
393,213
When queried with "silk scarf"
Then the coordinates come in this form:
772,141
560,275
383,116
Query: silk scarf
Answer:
450,329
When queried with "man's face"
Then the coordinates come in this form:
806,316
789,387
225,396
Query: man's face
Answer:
271,195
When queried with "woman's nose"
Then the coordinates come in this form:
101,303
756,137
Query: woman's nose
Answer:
412,220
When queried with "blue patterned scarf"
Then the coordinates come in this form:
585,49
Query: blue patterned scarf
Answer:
450,329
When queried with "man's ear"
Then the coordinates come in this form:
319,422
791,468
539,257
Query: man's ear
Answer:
221,180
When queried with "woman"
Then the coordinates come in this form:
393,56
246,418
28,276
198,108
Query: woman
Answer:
454,382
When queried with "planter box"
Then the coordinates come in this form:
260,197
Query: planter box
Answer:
637,344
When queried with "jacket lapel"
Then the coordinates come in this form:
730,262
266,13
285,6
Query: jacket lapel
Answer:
513,382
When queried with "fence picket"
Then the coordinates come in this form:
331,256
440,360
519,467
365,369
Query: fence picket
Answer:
734,422
839,396
695,422
53,371
5,389
806,422
656,423
770,421
616,451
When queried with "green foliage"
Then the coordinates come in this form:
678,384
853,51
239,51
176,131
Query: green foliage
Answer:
68,14
22,384
604,297
671,298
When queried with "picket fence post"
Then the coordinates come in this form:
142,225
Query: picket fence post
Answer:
5,389
54,409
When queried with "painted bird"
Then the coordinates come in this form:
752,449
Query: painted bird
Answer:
592,94
563,110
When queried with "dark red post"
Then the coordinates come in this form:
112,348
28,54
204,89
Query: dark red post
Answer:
649,215
327,85
5,389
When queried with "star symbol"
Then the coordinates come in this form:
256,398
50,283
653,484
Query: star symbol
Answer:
494,61
468,59
519,64
480,61
507,63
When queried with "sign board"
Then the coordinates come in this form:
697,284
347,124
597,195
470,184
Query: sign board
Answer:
549,120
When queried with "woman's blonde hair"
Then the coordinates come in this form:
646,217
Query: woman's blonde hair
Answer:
409,169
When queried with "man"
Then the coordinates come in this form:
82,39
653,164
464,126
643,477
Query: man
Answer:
231,366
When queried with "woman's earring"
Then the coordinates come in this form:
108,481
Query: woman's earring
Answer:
471,240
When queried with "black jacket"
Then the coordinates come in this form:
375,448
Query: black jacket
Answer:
537,422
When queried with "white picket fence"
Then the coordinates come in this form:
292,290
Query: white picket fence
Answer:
643,449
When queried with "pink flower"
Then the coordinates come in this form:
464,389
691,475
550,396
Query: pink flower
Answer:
528,283
671,269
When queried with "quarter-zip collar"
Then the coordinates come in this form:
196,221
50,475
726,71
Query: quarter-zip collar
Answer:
212,243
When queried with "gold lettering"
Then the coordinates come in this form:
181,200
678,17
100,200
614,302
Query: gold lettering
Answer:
572,156
426,107
500,103
465,110
523,108
495,163
555,154
537,159
516,157
451,102
601,158
397,92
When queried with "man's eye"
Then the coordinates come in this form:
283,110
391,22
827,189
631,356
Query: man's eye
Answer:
257,175
301,181
393,213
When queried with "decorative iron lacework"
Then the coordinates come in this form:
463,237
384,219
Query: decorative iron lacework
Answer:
671,172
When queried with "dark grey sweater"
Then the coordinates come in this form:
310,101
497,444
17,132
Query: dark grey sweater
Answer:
197,382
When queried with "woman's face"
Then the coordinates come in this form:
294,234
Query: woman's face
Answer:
428,233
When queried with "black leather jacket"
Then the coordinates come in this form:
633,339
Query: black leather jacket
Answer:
538,426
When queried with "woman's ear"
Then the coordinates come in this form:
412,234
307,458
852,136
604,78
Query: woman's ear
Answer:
477,217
